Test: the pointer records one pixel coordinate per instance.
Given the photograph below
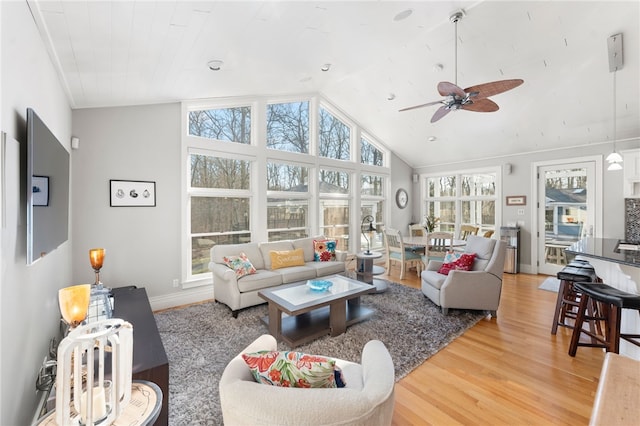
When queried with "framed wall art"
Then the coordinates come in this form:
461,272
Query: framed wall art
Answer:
40,190
132,193
516,200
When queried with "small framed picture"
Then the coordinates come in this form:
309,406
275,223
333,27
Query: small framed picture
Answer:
40,190
132,193
516,200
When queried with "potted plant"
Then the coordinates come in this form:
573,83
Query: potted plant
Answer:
430,223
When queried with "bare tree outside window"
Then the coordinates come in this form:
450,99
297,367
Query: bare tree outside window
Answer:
334,137
287,177
217,172
369,154
227,124
334,182
288,127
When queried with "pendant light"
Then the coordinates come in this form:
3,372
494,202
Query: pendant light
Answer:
614,44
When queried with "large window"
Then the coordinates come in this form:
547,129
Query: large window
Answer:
462,199
219,205
372,202
275,169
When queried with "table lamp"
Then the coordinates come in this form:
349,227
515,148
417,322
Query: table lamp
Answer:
96,257
367,229
74,303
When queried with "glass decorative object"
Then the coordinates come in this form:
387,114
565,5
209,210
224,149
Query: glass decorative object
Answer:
74,303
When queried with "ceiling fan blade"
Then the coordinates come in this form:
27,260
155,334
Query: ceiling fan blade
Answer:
486,90
481,105
447,89
441,112
420,106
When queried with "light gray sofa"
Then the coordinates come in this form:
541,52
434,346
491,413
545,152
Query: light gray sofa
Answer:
243,292
367,399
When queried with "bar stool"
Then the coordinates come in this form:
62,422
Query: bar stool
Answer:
611,301
568,299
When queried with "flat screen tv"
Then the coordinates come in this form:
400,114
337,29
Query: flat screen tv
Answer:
47,189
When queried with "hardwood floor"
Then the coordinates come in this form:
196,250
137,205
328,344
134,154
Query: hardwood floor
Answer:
507,370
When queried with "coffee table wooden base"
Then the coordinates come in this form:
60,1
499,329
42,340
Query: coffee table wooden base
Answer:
296,330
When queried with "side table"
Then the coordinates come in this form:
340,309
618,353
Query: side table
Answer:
366,270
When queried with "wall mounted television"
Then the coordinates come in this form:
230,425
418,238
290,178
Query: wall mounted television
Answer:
47,189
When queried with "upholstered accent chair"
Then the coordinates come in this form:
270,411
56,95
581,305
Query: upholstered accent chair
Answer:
367,399
477,289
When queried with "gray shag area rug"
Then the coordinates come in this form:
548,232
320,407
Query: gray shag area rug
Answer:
201,339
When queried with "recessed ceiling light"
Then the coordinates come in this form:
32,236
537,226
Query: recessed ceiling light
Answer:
432,139
403,15
326,67
215,65
391,96
438,67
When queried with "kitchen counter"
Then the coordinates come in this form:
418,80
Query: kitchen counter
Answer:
605,249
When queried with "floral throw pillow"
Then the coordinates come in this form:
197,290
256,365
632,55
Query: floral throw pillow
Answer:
240,264
291,369
457,261
324,250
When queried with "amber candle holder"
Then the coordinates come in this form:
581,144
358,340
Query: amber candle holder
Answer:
96,257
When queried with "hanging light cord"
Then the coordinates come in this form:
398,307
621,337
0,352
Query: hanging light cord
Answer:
614,109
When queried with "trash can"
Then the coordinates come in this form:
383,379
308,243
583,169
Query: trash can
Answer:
511,260
511,235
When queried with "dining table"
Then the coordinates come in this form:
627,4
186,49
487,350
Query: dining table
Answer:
421,241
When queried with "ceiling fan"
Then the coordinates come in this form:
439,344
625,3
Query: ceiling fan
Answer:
474,98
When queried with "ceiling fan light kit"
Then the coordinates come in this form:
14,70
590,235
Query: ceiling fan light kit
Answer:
614,46
474,98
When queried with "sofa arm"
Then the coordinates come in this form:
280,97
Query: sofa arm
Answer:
434,265
222,273
378,373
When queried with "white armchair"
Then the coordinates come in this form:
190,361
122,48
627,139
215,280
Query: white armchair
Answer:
367,399
477,289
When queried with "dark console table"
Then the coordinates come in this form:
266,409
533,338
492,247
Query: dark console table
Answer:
149,358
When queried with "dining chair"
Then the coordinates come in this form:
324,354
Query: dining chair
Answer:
439,244
466,230
416,230
397,253
488,234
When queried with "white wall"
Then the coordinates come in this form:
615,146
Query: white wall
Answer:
29,314
520,182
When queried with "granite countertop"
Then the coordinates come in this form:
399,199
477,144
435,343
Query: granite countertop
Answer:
606,249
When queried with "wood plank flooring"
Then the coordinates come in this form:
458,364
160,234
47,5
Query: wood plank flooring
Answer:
507,370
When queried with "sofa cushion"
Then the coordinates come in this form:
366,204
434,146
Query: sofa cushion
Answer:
482,247
263,278
240,264
252,251
294,274
266,248
291,369
306,244
287,258
326,268
325,250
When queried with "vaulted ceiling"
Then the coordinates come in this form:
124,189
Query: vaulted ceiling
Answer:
114,53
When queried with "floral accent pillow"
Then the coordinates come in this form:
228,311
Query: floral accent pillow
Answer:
240,264
324,250
291,369
457,261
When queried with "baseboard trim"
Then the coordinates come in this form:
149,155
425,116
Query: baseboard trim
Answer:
195,295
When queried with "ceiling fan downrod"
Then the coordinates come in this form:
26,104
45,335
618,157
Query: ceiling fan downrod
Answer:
455,17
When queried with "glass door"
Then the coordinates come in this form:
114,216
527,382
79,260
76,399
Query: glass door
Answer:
566,211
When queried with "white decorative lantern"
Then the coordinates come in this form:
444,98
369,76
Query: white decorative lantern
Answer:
86,349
